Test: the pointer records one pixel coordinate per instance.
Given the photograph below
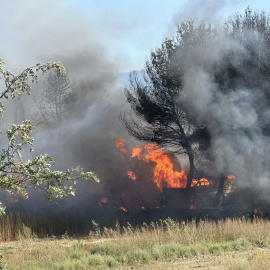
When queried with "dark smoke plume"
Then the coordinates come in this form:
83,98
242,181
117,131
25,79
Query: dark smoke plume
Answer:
234,111
87,137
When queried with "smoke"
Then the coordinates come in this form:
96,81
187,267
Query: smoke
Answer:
49,31
39,31
213,12
233,111
87,137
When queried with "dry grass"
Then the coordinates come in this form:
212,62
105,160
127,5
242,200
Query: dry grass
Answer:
188,233
204,244
255,259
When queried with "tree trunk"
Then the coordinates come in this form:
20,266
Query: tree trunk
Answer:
222,179
191,166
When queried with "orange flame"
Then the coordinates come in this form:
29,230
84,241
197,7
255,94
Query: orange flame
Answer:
163,175
103,201
131,175
120,146
230,178
201,182
123,208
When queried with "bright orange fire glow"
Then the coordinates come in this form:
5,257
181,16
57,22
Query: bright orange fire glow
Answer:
230,178
131,175
163,175
120,146
123,208
104,200
201,182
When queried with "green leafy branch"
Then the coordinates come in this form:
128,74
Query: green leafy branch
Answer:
15,173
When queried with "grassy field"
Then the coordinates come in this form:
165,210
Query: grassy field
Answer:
167,244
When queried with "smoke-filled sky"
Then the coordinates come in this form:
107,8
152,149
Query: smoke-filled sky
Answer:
123,31
96,40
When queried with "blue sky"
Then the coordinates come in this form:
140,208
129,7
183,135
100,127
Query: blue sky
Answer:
123,31
137,27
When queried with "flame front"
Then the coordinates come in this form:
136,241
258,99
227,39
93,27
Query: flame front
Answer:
163,173
131,175
120,146
201,182
230,179
123,208
103,201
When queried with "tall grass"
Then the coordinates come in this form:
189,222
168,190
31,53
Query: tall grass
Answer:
15,227
166,231
149,244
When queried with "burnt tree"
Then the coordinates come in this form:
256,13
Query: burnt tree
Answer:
154,99
240,63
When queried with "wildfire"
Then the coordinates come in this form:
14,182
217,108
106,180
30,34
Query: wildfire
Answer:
230,178
131,175
111,203
163,174
123,208
120,146
103,200
201,182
